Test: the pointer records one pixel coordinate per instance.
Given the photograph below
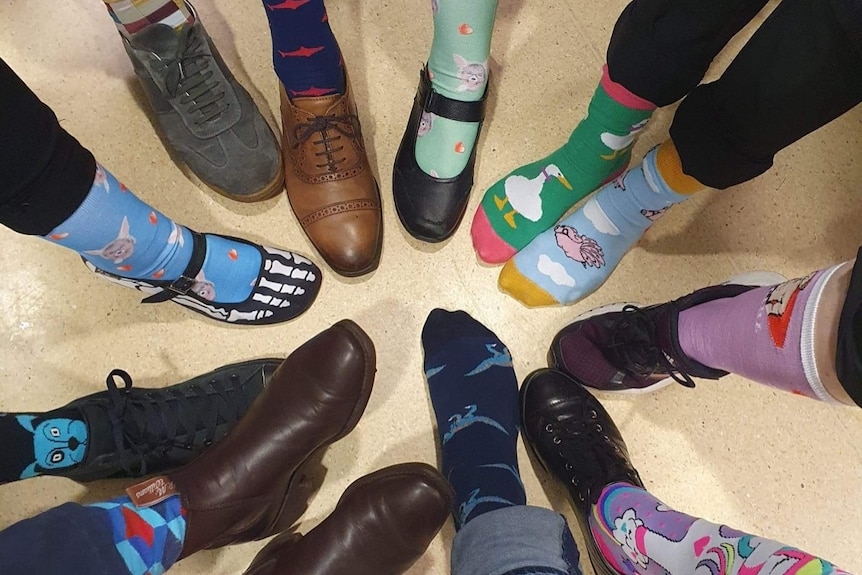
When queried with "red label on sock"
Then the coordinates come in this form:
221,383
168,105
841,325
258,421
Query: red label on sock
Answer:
780,303
152,491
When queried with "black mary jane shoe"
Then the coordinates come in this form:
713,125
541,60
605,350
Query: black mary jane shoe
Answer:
430,208
286,286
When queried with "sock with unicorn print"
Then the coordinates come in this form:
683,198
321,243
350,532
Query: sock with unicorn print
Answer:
474,392
637,533
533,197
117,232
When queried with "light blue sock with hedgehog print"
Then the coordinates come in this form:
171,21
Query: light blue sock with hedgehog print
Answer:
118,233
474,392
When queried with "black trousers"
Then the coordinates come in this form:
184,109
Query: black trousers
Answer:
800,70
45,174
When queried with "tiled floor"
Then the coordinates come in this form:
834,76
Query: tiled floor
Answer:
733,451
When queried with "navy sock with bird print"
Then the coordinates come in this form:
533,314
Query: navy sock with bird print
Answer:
474,392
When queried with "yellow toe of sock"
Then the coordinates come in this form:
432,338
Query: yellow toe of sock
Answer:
522,289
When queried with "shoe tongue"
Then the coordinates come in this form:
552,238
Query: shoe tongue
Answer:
159,39
320,105
100,439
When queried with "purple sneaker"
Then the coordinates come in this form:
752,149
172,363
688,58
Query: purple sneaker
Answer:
624,348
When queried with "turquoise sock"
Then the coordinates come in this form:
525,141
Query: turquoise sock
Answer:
458,66
572,259
120,234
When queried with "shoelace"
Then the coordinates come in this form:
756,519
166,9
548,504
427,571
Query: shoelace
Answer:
322,125
633,345
577,440
189,74
159,419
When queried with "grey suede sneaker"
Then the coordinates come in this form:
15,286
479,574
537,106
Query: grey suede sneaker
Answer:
208,118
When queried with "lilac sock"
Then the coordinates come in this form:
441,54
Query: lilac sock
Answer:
637,533
766,334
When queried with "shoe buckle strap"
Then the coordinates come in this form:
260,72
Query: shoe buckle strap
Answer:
183,284
445,107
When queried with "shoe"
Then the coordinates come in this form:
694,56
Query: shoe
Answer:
848,359
430,208
624,348
248,486
329,181
286,286
577,443
135,431
382,524
207,117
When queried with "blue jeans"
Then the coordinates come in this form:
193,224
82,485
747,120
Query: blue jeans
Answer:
520,540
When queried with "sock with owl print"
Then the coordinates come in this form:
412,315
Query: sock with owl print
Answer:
458,69
117,232
533,197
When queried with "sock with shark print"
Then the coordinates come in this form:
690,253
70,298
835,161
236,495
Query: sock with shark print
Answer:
474,392
41,443
305,54
120,234
638,534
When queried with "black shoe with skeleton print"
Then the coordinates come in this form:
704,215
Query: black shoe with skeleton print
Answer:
286,286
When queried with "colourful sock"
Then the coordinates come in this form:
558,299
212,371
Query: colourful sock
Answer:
305,53
571,260
149,539
118,233
474,392
766,334
131,16
637,533
37,443
458,67
530,199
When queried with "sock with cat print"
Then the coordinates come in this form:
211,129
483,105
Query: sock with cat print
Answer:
571,260
41,443
305,54
120,234
458,68
638,534
533,197
474,392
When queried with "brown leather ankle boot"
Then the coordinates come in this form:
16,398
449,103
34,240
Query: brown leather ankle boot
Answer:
329,181
246,487
382,524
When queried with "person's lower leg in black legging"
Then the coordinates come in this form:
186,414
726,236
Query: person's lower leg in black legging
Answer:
799,71
51,186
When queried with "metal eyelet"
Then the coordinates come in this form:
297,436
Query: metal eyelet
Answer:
599,427
549,428
593,414
557,440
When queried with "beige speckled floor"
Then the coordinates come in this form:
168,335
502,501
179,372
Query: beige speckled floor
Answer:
762,461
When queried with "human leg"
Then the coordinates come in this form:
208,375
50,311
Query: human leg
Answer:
627,530
659,51
128,431
50,194
798,336
474,393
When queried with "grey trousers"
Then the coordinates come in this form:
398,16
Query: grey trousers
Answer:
520,540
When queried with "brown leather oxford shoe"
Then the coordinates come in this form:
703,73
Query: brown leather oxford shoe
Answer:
246,487
382,524
329,181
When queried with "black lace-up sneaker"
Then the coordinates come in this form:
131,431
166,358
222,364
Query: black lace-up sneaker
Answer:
577,443
134,432
623,348
208,118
